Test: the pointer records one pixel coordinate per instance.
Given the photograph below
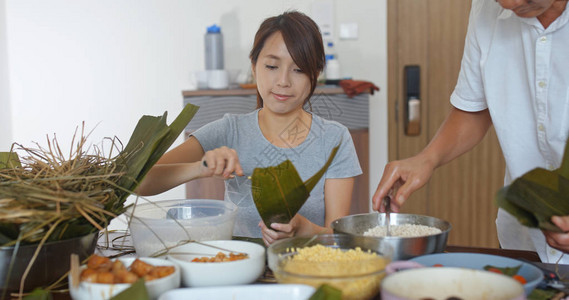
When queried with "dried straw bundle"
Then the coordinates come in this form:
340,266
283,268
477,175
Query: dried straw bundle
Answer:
47,196
62,197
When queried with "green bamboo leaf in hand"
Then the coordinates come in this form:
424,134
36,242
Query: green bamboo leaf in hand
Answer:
278,191
538,195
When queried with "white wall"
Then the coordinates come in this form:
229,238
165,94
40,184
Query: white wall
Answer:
366,59
5,108
109,62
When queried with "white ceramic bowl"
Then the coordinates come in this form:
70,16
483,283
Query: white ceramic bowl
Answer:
158,226
196,274
444,282
101,291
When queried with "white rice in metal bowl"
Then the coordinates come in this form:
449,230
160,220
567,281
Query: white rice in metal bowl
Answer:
404,230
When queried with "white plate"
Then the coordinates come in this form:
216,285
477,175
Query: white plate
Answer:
243,292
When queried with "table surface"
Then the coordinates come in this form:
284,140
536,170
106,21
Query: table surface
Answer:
118,244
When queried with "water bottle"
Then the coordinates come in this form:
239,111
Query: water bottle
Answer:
213,48
332,68
332,64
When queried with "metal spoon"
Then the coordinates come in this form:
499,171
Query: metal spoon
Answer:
387,205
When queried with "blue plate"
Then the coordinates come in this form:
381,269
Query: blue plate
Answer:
531,273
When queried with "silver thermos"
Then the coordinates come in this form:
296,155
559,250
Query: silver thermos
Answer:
214,48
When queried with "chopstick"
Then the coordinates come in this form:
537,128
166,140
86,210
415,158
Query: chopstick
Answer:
74,270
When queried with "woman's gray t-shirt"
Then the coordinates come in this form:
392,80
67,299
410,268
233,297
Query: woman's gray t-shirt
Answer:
242,133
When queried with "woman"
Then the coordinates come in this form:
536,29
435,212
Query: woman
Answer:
286,58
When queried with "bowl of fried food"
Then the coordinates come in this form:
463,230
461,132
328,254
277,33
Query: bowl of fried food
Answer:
216,263
102,278
348,263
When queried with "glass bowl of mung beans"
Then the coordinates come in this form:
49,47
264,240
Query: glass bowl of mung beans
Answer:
353,264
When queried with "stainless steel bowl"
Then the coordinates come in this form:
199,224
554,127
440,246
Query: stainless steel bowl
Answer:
403,247
52,262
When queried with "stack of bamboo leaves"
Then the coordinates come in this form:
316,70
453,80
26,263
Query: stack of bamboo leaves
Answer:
48,196
538,195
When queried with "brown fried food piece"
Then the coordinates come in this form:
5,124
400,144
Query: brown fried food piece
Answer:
118,266
125,276
105,277
88,275
161,271
100,263
140,268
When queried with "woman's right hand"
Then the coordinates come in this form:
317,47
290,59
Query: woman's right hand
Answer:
221,162
400,179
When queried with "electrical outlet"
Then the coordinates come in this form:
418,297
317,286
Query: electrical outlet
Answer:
349,31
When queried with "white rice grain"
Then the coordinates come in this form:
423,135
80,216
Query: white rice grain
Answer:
405,230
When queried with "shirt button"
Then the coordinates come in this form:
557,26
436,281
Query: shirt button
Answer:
542,84
552,251
540,127
550,167
543,39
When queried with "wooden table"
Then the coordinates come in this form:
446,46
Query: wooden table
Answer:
528,255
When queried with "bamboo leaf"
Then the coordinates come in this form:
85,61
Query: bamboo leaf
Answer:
563,185
509,271
175,129
549,226
542,177
39,294
525,217
312,181
539,201
538,195
538,198
9,160
136,291
149,131
149,141
564,169
326,292
278,191
70,229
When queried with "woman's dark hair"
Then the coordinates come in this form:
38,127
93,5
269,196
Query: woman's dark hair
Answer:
303,41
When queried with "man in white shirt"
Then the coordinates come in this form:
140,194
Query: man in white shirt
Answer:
514,75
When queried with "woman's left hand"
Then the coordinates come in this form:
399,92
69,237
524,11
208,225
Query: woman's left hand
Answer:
559,240
281,231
